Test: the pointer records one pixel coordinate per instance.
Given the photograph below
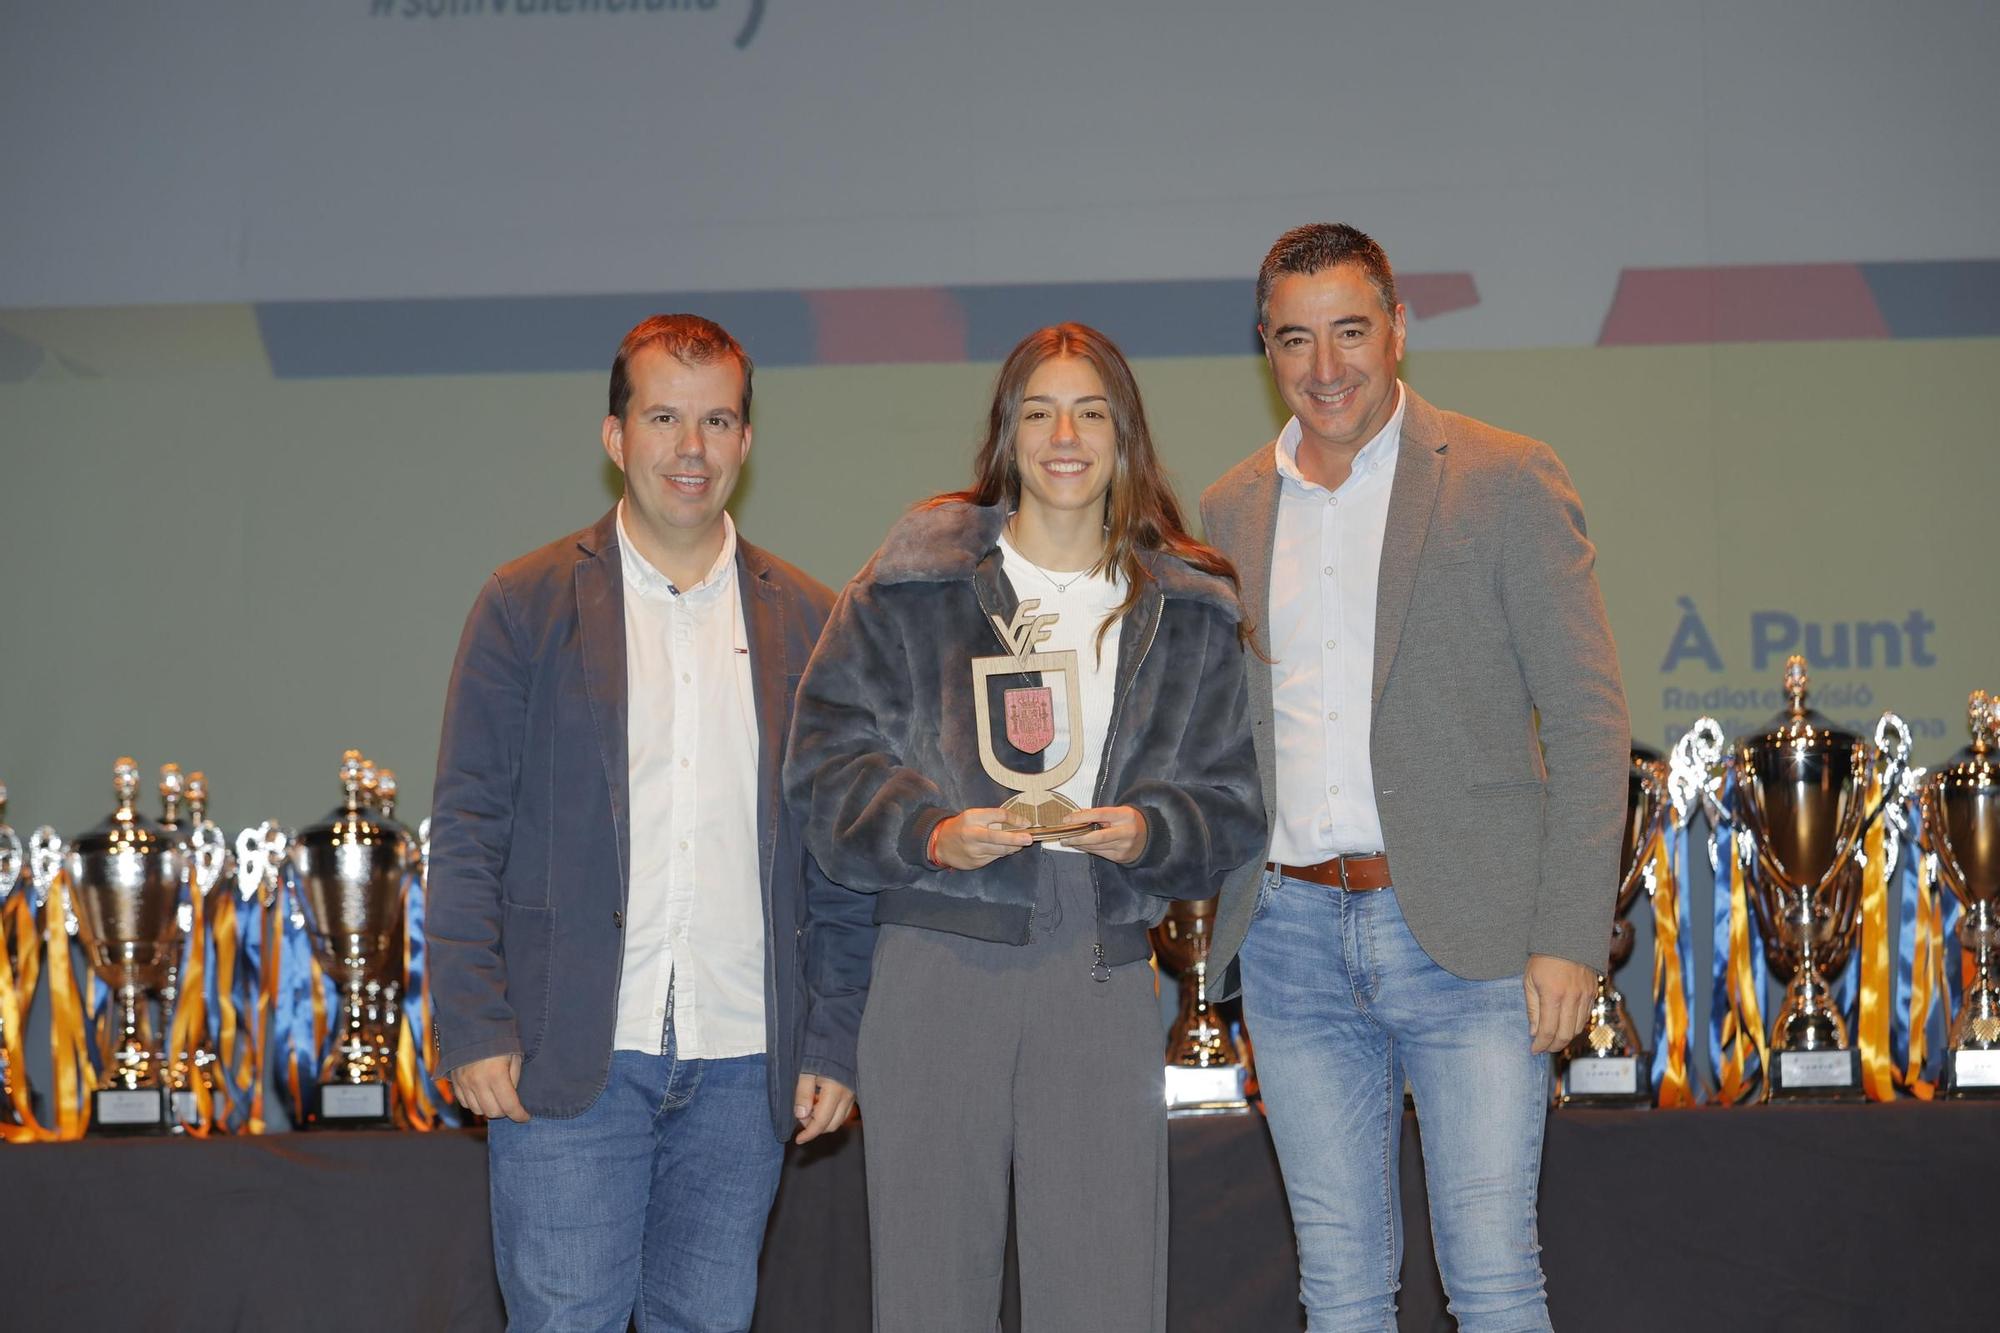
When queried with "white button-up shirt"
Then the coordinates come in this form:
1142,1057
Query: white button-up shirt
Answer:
1324,565
694,916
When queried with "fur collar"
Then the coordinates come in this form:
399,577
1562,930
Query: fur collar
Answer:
948,543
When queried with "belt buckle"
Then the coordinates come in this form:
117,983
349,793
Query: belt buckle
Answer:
1341,861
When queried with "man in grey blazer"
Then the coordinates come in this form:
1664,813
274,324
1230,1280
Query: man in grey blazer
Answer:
639,972
1443,739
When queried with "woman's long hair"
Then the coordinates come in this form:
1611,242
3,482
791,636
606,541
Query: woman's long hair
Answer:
1141,513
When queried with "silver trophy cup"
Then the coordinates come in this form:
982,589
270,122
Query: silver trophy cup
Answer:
351,868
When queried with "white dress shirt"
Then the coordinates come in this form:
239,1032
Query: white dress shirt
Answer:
1324,565
694,916
1083,601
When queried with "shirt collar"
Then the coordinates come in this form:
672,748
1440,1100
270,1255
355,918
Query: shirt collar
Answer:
643,578
1378,453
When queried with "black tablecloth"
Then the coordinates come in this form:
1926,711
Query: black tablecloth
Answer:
1796,1218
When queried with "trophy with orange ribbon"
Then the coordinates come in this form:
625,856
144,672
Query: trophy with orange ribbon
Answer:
13,1093
125,888
1962,828
351,868
1605,1065
1030,723
1807,795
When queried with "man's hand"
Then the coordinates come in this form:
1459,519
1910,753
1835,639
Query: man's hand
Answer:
821,1105
486,1087
974,838
1559,996
1120,835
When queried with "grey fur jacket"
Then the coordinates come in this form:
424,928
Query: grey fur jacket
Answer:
884,747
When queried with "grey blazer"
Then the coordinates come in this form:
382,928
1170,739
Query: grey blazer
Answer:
530,832
1487,614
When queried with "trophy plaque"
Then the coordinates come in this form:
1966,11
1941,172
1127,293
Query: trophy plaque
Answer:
124,888
1205,1073
1030,728
1605,1065
1803,795
351,868
1962,827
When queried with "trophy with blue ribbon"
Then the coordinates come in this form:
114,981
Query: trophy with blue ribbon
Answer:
1605,1065
1962,828
351,869
1807,792
1030,722
124,889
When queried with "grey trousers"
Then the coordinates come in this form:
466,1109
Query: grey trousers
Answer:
989,1065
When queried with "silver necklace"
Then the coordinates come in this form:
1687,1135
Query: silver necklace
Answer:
1058,585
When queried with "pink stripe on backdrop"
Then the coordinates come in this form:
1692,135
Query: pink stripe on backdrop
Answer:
1431,294
869,326
1741,303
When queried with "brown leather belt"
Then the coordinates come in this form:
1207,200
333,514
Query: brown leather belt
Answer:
1357,872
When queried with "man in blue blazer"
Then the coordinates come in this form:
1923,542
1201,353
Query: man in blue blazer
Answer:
625,979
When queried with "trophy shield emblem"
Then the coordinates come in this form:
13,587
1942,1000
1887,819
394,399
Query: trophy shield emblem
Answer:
1029,724
1031,718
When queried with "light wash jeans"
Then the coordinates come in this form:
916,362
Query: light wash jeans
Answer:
650,1206
1342,1003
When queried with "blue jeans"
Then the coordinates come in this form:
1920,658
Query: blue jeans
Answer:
650,1206
1342,1004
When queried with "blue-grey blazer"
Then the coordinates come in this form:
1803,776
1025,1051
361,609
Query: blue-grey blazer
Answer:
530,832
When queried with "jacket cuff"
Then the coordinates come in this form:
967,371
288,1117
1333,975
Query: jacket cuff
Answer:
826,1066
451,1059
914,847
1159,839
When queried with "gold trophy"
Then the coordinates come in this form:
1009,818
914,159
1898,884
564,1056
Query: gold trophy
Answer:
124,889
351,867
1962,827
1205,1073
1605,1064
1802,794
1030,723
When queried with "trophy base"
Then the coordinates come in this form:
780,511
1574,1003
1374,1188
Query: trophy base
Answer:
1051,820
1972,1073
353,1105
1816,1075
130,1111
1213,1090
182,1103
1608,1080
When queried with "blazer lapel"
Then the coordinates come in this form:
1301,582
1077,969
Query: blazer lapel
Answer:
600,609
1412,497
764,624
1260,539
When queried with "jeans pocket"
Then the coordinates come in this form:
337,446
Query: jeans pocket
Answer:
1267,885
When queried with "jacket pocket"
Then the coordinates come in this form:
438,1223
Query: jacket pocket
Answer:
527,938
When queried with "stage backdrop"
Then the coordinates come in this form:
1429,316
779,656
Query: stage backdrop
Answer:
305,312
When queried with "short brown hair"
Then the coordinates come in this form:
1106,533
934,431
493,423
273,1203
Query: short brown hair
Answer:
690,339
1318,246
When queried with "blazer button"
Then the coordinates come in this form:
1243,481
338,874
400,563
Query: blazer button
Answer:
618,919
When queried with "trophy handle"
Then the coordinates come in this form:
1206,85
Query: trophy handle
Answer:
1654,782
1892,742
1693,779
1939,837
46,851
